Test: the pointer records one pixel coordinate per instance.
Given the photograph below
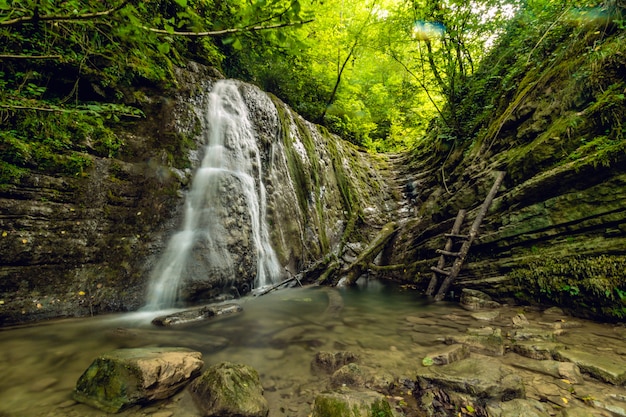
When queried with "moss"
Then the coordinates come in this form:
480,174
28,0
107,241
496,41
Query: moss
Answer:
592,287
381,408
331,407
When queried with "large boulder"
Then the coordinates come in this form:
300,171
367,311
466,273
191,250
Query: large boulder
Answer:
125,377
229,390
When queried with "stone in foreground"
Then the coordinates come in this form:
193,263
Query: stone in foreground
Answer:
606,367
125,377
518,408
229,389
349,403
479,377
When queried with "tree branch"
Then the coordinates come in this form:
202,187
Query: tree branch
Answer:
31,56
86,16
226,31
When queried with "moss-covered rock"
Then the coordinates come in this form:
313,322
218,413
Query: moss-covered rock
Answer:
125,377
229,389
352,404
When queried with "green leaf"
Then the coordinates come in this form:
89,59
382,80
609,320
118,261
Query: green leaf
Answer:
182,3
164,48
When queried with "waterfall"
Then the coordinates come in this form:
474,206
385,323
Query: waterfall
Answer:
224,229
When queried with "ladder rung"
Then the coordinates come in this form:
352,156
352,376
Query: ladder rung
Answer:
448,253
440,271
456,236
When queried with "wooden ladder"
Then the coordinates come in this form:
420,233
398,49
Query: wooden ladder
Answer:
454,236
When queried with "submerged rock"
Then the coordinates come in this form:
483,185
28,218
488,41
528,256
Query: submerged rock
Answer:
491,344
125,377
229,389
331,361
351,404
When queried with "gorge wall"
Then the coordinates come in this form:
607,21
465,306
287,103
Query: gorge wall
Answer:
550,113
85,245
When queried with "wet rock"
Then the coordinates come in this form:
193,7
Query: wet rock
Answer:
486,315
350,375
605,367
125,377
353,375
534,334
565,370
536,350
476,300
581,412
447,355
490,344
229,389
331,361
480,377
197,315
520,320
562,324
613,409
348,403
518,407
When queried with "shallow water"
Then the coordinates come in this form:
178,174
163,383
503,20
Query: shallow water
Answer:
278,334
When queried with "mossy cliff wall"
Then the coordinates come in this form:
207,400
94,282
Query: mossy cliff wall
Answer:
85,244
548,111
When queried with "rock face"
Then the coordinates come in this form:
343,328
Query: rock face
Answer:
556,232
125,377
228,389
84,245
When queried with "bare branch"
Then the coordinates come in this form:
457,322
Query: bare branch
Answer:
31,56
226,31
56,110
86,16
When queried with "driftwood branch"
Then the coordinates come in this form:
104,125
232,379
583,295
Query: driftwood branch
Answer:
67,17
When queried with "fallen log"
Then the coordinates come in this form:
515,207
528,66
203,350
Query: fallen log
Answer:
353,271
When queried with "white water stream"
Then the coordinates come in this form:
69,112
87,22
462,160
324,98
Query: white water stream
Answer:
227,185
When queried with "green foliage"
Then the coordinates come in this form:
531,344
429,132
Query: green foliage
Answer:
67,69
592,286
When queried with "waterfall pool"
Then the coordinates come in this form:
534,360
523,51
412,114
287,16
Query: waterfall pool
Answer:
390,328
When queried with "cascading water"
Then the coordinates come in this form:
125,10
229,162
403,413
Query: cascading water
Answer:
224,231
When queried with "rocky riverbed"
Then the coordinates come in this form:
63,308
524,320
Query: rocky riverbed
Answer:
316,347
